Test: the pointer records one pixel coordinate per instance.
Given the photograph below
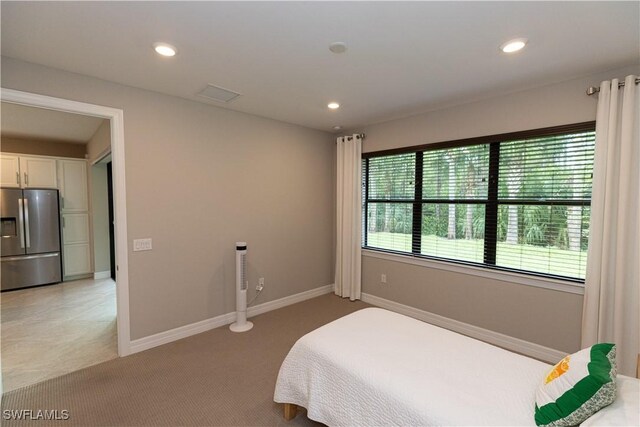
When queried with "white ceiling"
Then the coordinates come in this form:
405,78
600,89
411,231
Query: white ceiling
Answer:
402,57
19,121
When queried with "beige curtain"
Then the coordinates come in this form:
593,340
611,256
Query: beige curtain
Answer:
612,296
349,217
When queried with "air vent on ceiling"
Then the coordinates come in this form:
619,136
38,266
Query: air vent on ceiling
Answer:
218,94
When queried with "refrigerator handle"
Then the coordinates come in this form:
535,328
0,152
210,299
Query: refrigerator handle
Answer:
21,223
26,222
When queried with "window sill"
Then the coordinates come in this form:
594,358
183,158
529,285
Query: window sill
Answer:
504,276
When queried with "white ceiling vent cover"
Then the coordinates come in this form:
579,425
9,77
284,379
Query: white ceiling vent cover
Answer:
218,94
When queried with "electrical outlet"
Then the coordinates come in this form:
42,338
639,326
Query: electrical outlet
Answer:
260,284
142,245
383,278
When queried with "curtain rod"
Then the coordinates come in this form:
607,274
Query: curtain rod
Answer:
361,135
592,90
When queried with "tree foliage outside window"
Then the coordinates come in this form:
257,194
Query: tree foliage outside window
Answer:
519,204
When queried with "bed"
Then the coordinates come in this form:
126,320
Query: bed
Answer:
376,367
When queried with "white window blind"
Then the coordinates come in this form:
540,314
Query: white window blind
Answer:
518,202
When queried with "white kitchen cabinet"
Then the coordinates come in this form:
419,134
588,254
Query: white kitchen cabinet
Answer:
77,259
28,172
76,247
75,228
73,185
9,170
38,172
74,205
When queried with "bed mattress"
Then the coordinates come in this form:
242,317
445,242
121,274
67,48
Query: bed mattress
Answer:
376,367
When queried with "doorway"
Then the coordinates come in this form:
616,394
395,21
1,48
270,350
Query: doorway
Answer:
103,217
58,302
118,195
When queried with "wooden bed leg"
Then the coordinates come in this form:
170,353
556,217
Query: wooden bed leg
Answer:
290,411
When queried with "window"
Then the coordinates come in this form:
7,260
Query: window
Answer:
518,202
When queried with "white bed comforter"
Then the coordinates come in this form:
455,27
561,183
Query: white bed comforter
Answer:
624,411
376,367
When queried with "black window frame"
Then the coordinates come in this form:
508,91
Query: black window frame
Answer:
491,203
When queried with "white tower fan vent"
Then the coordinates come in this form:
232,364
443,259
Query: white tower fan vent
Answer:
241,324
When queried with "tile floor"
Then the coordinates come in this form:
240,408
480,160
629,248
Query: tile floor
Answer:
52,330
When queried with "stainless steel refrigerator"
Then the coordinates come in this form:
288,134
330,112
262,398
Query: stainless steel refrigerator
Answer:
30,252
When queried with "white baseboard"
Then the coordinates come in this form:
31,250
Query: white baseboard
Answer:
291,299
102,275
185,331
518,345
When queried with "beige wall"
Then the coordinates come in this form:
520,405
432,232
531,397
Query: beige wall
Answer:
100,142
543,316
547,317
200,178
42,148
552,105
100,218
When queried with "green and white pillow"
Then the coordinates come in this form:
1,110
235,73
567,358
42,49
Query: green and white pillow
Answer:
577,387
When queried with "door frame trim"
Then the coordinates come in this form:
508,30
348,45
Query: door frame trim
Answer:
116,119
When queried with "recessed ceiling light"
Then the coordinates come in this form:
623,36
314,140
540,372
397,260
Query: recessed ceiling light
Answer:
333,105
337,127
165,49
338,47
513,45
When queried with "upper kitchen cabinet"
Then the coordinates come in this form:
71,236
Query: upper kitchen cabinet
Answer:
9,171
73,185
38,172
28,171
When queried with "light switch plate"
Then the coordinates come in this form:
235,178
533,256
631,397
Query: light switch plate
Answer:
142,245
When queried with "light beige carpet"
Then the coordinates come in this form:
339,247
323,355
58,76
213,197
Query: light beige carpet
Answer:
217,378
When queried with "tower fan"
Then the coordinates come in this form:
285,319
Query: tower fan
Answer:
241,324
